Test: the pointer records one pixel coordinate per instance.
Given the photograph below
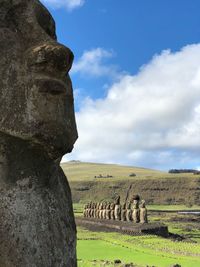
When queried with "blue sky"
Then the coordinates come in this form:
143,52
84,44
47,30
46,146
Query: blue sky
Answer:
136,78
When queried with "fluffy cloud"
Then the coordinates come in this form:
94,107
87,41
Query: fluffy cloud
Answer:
69,4
92,63
150,119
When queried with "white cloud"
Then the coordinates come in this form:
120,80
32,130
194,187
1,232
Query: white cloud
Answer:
69,4
149,119
92,63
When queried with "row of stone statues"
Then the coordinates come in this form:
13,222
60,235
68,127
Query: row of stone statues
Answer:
134,211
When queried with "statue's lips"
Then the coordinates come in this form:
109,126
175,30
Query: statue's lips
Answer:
51,86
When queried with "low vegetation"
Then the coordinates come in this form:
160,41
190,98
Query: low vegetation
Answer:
102,249
183,247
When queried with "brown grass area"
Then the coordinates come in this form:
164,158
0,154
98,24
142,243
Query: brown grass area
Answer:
156,187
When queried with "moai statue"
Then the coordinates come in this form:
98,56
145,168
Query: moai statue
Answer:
98,210
108,211
117,209
117,200
85,211
101,210
136,211
128,212
112,211
143,212
37,127
135,197
123,212
90,210
104,210
95,210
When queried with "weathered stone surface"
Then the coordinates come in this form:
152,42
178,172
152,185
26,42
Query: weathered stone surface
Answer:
143,212
37,127
136,211
123,227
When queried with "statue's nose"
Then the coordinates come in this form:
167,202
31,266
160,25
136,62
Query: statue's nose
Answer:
51,56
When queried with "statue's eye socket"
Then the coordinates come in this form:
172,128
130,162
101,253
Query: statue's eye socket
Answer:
45,21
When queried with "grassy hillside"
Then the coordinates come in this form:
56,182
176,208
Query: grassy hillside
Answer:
155,186
83,171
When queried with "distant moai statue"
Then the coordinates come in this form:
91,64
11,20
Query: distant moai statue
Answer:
117,209
94,210
128,212
101,210
136,210
143,212
112,211
85,211
37,127
98,210
108,211
123,212
88,210
104,210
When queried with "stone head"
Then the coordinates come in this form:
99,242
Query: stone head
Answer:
129,205
36,98
135,197
143,204
117,200
135,204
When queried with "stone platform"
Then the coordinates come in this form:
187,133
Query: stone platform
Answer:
123,227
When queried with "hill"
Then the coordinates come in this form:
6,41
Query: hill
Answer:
111,179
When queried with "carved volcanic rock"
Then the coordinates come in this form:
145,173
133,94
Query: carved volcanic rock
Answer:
37,127
123,227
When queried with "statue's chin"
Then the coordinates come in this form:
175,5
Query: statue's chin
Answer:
54,143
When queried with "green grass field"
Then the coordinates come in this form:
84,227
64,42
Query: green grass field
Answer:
101,249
